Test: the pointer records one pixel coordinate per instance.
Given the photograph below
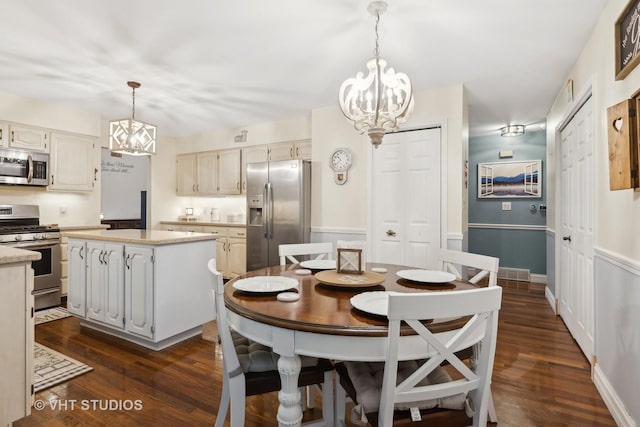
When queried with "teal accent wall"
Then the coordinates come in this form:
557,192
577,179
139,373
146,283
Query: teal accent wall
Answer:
516,248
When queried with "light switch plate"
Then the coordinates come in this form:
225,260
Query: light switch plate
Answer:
506,206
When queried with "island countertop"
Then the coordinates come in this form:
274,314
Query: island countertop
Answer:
10,255
144,237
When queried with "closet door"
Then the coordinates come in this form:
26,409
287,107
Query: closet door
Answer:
575,282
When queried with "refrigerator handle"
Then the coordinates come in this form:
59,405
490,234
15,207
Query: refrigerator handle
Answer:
269,207
265,211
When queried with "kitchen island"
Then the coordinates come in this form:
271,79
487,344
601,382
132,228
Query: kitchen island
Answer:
16,332
151,287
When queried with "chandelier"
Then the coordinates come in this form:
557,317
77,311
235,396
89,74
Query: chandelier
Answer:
129,136
381,100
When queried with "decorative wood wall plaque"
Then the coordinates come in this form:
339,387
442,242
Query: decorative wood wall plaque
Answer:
623,145
627,39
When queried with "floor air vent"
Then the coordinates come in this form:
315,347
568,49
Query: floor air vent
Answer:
517,274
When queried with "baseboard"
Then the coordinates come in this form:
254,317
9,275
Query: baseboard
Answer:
619,414
538,278
551,299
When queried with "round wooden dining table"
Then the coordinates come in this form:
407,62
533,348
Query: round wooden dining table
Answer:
323,323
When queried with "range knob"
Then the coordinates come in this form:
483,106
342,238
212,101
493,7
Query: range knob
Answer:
18,237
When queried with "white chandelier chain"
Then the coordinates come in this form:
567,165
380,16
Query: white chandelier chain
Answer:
376,51
133,111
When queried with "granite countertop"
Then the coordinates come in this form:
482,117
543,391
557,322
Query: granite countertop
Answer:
84,227
216,223
145,237
12,255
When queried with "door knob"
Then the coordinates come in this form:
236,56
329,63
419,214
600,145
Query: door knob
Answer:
391,233
567,238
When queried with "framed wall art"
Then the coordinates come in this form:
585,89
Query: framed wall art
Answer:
627,42
517,179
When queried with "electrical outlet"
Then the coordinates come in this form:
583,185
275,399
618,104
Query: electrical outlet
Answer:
506,206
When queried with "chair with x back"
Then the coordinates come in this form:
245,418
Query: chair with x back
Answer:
483,265
414,384
289,252
250,368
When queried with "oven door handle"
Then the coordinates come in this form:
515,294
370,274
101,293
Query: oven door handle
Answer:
45,292
33,246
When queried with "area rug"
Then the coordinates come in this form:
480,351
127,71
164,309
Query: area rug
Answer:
52,368
51,314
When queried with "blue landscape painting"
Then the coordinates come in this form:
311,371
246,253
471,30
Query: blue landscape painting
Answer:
510,179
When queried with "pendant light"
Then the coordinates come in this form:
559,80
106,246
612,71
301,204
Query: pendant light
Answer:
130,136
381,100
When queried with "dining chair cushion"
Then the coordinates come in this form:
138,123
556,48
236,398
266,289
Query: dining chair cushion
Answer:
367,382
255,357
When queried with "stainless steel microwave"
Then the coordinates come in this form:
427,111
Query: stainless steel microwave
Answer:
19,167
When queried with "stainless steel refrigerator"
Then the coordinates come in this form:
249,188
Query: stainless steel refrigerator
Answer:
278,209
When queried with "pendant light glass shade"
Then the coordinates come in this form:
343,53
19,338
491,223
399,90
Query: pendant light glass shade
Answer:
130,136
380,101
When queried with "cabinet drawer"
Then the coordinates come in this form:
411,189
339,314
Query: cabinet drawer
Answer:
237,232
218,231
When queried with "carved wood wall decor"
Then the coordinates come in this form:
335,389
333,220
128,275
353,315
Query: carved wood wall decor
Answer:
622,125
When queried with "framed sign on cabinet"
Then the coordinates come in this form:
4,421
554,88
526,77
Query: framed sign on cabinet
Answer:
627,39
510,179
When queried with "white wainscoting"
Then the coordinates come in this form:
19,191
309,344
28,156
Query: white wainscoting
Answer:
550,289
617,335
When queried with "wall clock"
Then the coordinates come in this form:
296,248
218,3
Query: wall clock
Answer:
340,161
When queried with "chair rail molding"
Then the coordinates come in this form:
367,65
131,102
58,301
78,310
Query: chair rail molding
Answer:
508,226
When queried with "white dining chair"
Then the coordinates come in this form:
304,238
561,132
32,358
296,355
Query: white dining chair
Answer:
388,391
250,368
483,265
289,252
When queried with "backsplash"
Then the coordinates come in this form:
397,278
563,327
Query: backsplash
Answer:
202,206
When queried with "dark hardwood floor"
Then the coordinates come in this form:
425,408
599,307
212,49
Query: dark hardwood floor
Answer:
540,378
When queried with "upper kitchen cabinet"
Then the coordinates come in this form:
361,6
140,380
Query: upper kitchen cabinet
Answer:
209,173
197,174
187,174
72,162
255,154
229,164
290,150
4,134
28,138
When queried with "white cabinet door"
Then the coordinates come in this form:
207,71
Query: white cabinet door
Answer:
221,255
237,256
281,151
207,166
77,271
255,154
29,138
95,281
187,177
303,150
229,171
72,163
114,284
4,134
138,283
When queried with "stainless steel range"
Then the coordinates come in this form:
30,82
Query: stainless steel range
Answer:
20,228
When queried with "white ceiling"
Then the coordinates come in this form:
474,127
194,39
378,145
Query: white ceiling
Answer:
208,64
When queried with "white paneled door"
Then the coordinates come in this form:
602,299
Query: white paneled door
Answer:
406,198
576,284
